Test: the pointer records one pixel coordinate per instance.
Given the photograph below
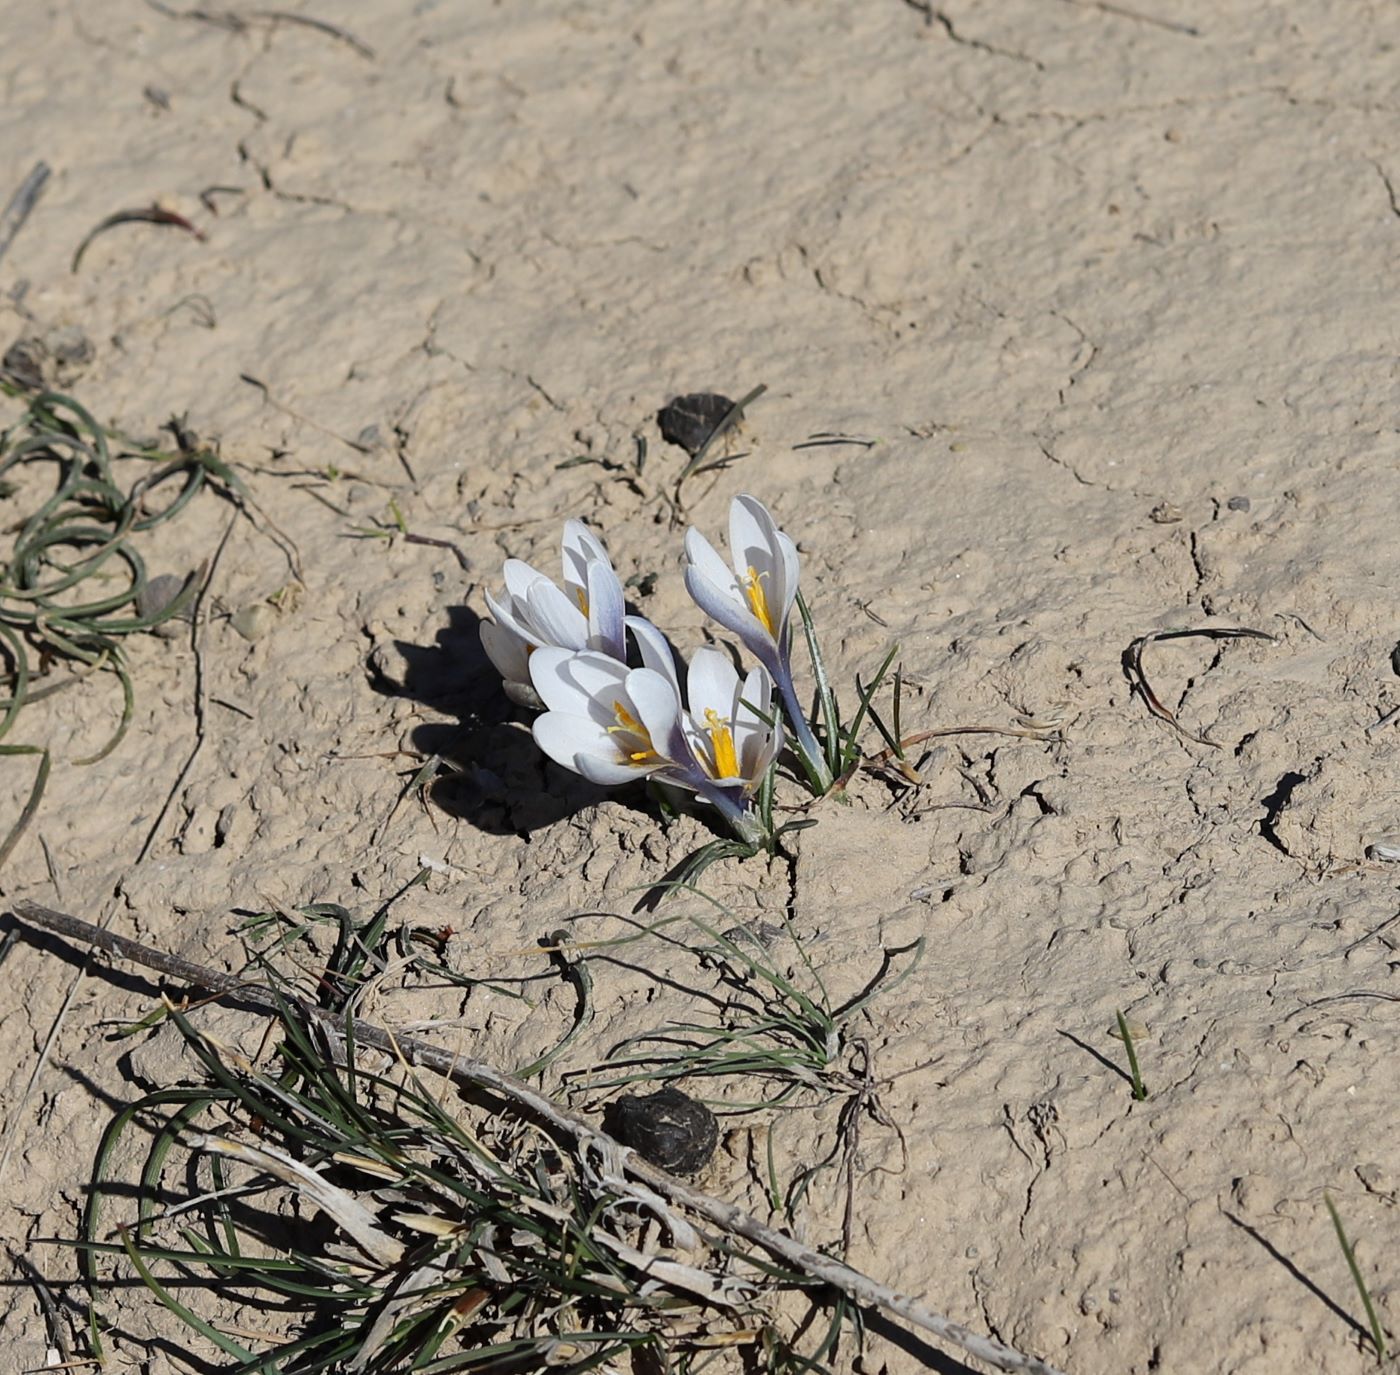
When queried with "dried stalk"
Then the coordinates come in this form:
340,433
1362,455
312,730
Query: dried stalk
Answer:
480,1075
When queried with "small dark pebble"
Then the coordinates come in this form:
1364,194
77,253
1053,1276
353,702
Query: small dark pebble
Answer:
1238,503
24,360
689,421
667,1128
155,596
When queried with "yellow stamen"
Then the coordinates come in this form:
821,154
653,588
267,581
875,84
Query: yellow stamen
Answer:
581,597
628,724
626,721
722,742
758,601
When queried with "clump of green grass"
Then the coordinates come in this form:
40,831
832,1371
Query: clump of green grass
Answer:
450,1237
73,584
447,1241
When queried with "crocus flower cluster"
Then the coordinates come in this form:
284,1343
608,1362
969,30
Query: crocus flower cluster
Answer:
717,735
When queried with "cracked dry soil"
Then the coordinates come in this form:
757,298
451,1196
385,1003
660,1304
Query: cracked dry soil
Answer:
1108,289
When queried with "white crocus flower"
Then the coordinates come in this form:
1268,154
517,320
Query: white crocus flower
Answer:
534,613
613,724
754,599
735,732
605,721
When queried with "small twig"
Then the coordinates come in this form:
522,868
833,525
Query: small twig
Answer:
826,441
24,200
201,689
1293,616
302,419
886,757
1123,12
238,23
1137,676
480,1075
1384,721
455,549
321,26
151,215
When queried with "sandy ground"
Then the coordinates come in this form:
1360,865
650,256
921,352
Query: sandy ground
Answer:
1111,295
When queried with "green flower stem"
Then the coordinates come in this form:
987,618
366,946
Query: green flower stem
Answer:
804,741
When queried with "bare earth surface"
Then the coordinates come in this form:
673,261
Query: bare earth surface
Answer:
1112,296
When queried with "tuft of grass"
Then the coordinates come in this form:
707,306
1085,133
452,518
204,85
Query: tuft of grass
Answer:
840,740
1134,1072
443,1241
58,602
1372,1318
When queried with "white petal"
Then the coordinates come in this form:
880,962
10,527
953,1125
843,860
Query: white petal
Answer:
508,615
575,557
756,538
755,696
712,685
578,684
520,577
659,710
756,742
583,746
790,568
655,651
556,620
608,774
700,554
753,536
508,650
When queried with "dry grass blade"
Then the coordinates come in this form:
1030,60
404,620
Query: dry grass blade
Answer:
21,205
349,1214
1137,675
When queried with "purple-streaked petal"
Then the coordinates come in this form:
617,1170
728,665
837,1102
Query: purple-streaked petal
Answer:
700,554
606,610
728,612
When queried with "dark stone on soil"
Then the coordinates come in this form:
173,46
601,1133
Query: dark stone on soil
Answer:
689,421
667,1128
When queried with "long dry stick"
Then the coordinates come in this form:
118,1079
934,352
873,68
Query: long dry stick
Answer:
480,1075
